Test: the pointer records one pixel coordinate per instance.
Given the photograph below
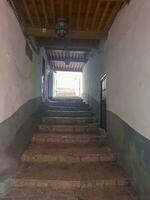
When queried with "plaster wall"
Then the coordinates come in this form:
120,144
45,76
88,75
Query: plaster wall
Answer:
93,72
19,77
128,66
127,53
20,90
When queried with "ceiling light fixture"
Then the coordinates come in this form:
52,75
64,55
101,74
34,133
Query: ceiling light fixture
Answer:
61,28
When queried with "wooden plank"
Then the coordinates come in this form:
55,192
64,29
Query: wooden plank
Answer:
68,69
116,1
45,13
62,8
87,13
36,13
104,15
71,59
73,34
53,11
112,17
70,11
78,15
74,66
28,12
70,44
96,13
78,66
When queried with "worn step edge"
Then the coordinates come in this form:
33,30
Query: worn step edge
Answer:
69,104
62,158
67,138
66,108
63,114
68,184
75,105
70,111
68,120
68,128
30,193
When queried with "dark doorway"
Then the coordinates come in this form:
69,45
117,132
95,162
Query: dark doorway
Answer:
103,119
43,76
49,83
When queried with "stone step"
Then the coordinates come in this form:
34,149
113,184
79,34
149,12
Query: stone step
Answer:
72,100
68,138
57,113
66,108
114,193
68,120
93,127
70,176
62,153
67,104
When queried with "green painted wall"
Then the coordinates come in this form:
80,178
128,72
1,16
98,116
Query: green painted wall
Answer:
16,133
133,152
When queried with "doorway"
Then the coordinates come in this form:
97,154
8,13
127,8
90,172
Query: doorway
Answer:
43,77
68,84
103,109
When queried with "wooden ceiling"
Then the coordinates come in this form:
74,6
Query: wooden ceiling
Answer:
87,19
67,60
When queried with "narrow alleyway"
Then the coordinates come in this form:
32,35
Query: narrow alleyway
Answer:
68,159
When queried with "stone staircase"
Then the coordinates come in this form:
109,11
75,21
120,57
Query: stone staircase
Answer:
68,159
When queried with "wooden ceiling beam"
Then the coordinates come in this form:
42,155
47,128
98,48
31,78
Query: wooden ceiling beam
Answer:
74,59
62,8
87,13
104,15
28,12
38,32
70,11
97,30
68,44
36,13
75,66
53,11
78,15
116,1
68,69
45,13
96,13
112,17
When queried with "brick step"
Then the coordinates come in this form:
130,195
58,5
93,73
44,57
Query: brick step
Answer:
62,153
114,193
68,138
57,113
93,127
70,176
68,120
66,108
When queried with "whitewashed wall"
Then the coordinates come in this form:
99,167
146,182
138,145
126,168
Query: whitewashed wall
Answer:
128,66
19,77
92,74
